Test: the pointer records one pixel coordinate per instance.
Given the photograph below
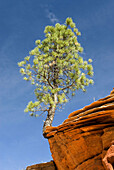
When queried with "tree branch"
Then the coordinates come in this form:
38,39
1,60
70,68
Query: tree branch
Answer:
49,81
68,86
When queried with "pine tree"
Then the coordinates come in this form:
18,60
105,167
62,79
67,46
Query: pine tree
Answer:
56,69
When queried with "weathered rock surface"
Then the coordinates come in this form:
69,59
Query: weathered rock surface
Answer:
43,166
108,160
83,139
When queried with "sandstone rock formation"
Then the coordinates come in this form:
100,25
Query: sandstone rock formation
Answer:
82,141
108,160
42,166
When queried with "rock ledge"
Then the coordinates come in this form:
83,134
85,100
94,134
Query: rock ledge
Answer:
83,139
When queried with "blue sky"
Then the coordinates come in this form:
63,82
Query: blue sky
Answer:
21,23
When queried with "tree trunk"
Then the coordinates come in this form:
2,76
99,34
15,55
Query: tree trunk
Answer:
50,115
49,119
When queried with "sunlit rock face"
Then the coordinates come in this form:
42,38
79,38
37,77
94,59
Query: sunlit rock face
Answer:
82,141
108,160
43,166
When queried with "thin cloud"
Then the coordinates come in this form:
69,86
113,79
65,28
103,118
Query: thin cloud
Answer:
51,16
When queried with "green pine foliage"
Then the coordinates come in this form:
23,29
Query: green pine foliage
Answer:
55,65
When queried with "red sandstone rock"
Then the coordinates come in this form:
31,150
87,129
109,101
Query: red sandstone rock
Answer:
82,140
108,160
112,92
42,166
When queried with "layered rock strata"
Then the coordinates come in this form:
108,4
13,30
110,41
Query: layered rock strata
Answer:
43,166
82,141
